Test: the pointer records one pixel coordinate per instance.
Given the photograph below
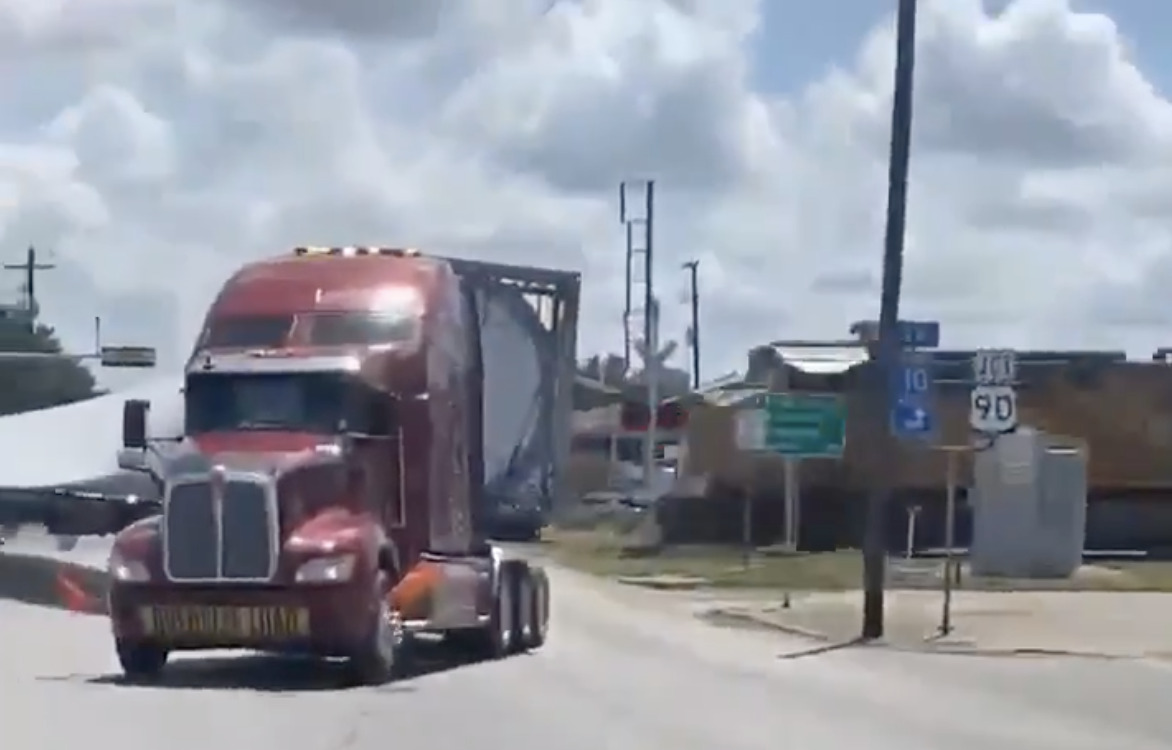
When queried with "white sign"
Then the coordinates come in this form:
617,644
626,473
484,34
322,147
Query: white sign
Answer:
128,356
995,367
751,429
993,409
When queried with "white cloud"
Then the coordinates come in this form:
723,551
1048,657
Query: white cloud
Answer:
167,141
115,138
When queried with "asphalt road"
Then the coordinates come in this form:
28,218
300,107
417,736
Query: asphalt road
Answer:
620,672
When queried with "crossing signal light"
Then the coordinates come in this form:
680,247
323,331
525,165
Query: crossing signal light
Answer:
671,415
635,416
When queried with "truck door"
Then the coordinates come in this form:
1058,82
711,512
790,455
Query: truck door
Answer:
378,450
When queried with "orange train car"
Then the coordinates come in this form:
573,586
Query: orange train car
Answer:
1120,411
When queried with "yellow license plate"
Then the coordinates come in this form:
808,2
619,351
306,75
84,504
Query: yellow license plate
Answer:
225,623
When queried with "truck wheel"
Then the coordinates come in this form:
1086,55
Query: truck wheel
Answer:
523,620
378,659
140,661
495,640
501,634
538,611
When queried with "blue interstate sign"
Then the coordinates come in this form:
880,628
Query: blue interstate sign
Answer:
913,398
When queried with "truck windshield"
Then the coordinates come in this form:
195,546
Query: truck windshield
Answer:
301,402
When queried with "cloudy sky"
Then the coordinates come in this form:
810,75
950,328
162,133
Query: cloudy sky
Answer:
150,146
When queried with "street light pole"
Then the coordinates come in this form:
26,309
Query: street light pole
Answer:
693,267
874,543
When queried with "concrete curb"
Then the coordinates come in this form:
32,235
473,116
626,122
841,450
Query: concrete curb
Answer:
664,583
931,645
742,617
35,579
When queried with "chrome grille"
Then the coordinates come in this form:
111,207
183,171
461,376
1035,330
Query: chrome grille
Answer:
191,534
245,545
239,546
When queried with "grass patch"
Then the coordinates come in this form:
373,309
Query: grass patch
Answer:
1131,575
1144,575
605,552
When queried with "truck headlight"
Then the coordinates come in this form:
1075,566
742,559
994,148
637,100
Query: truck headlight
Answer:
334,569
126,570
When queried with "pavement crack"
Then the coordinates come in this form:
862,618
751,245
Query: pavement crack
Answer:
353,733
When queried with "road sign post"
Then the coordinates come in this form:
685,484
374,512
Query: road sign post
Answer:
951,564
993,400
802,426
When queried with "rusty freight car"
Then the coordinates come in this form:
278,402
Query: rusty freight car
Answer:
1120,410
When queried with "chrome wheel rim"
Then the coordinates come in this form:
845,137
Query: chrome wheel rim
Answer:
505,624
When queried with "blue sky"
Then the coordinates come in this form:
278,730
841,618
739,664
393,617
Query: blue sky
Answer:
1145,23
803,39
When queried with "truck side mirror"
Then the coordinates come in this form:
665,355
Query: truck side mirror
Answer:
134,423
132,459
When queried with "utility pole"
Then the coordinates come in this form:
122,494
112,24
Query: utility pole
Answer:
693,267
874,543
30,268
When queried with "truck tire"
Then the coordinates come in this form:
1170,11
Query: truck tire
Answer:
538,610
382,655
523,622
141,662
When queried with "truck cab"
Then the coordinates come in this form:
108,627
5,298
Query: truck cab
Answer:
320,497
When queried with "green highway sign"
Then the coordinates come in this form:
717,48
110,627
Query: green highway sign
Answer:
805,425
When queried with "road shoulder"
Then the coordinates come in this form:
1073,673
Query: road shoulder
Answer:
1091,624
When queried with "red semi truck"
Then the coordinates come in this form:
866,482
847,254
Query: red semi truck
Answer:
323,498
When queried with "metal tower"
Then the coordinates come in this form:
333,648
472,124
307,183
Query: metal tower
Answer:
638,219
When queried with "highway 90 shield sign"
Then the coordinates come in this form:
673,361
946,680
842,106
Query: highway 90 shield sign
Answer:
993,409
